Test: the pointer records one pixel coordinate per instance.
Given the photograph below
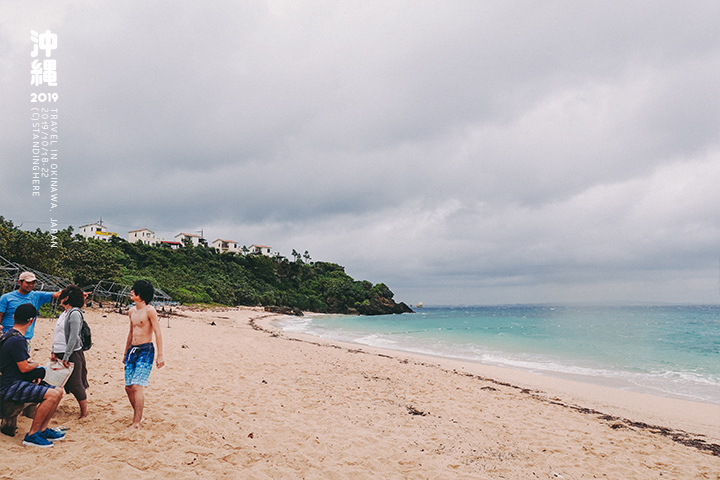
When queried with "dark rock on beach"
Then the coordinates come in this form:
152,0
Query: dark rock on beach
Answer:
284,310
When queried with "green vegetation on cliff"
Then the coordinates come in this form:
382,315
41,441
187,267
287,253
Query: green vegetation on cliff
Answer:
198,274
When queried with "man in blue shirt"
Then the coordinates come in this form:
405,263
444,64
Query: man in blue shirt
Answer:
24,294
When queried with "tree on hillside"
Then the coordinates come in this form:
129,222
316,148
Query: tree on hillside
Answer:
195,274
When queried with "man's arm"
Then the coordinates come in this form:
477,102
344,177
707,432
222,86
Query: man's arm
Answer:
152,316
128,342
27,365
3,305
43,297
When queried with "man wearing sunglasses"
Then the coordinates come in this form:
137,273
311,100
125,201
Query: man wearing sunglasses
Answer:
24,294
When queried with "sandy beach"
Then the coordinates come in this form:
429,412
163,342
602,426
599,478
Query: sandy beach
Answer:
238,399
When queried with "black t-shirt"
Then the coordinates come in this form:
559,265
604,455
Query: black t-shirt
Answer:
12,351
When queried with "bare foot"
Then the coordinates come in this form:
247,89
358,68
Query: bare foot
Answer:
135,426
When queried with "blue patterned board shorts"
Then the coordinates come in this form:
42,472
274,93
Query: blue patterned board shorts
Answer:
24,392
138,363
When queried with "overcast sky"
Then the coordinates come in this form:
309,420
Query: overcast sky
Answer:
462,152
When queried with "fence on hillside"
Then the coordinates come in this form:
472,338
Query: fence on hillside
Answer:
113,293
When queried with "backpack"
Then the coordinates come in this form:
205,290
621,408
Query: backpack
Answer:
85,334
9,334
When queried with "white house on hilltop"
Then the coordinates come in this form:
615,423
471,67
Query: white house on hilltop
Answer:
195,239
96,231
144,235
260,249
224,246
171,244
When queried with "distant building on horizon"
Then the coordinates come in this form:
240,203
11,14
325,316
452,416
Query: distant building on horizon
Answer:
171,244
260,250
144,236
97,231
226,246
196,240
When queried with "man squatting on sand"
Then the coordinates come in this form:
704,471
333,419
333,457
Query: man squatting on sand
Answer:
139,349
21,377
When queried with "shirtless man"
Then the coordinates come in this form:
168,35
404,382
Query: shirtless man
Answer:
139,349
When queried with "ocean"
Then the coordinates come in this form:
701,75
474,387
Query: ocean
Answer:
664,350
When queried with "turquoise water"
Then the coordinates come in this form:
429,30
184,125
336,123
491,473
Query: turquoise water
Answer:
664,350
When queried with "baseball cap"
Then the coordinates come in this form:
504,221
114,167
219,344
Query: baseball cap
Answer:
28,276
25,312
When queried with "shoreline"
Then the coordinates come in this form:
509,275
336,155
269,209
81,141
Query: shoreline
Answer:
691,381
658,412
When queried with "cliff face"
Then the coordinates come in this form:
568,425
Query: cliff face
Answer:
377,306
383,306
